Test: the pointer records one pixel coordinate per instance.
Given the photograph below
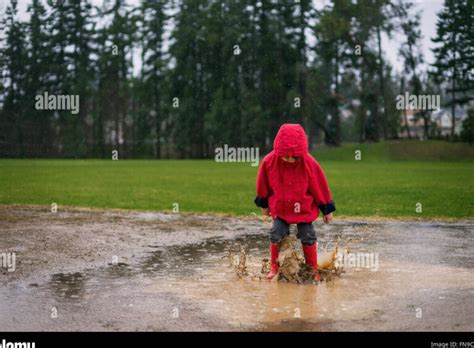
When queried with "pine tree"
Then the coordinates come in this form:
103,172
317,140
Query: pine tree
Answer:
333,32
453,54
83,73
189,51
366,60
60,25
153,65
115,45
412,56
71,71
38,78
14,119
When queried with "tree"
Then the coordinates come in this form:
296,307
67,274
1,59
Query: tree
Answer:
333,31
83,69
69,46
364,27
14,116
153,19
467,132
453,55
115,44
38,78
413,59
189,92
212,72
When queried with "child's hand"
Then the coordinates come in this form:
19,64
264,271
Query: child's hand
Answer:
327,218
265,211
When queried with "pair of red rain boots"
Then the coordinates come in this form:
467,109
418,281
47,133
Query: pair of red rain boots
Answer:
310,256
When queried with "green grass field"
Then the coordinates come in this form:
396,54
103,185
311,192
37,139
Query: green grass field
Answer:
389,181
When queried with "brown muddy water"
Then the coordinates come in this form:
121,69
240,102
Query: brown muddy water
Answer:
83,269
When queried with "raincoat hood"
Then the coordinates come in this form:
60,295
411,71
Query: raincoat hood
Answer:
291,140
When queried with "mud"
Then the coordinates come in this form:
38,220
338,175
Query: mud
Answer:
293,268
83,269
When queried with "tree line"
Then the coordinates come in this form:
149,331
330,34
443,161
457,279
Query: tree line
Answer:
175,79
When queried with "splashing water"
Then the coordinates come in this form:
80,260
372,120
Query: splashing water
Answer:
293,268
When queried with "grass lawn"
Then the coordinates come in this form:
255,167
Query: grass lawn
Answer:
389,181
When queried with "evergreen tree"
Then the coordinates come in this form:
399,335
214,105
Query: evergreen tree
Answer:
189,93
333,31
412,56
13,58
454,53
153,20
38,78
115,45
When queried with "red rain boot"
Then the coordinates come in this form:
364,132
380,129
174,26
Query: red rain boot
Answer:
274,250
311,258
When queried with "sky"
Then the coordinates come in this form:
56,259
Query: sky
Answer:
428,8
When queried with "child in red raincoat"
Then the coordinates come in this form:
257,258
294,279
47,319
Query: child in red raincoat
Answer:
292,188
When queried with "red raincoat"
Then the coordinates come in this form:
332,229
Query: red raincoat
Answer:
294,192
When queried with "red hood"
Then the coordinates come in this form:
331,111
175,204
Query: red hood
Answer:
291,140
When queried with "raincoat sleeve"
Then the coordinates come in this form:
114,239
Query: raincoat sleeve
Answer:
263,188
319,189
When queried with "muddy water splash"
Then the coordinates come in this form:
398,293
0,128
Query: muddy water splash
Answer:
293,268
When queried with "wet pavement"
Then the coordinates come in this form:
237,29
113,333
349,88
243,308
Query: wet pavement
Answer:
114,270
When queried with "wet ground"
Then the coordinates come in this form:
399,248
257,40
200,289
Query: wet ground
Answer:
81,269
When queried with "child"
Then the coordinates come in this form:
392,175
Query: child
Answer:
292,188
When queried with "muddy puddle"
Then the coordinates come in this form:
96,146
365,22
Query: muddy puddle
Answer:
112,270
